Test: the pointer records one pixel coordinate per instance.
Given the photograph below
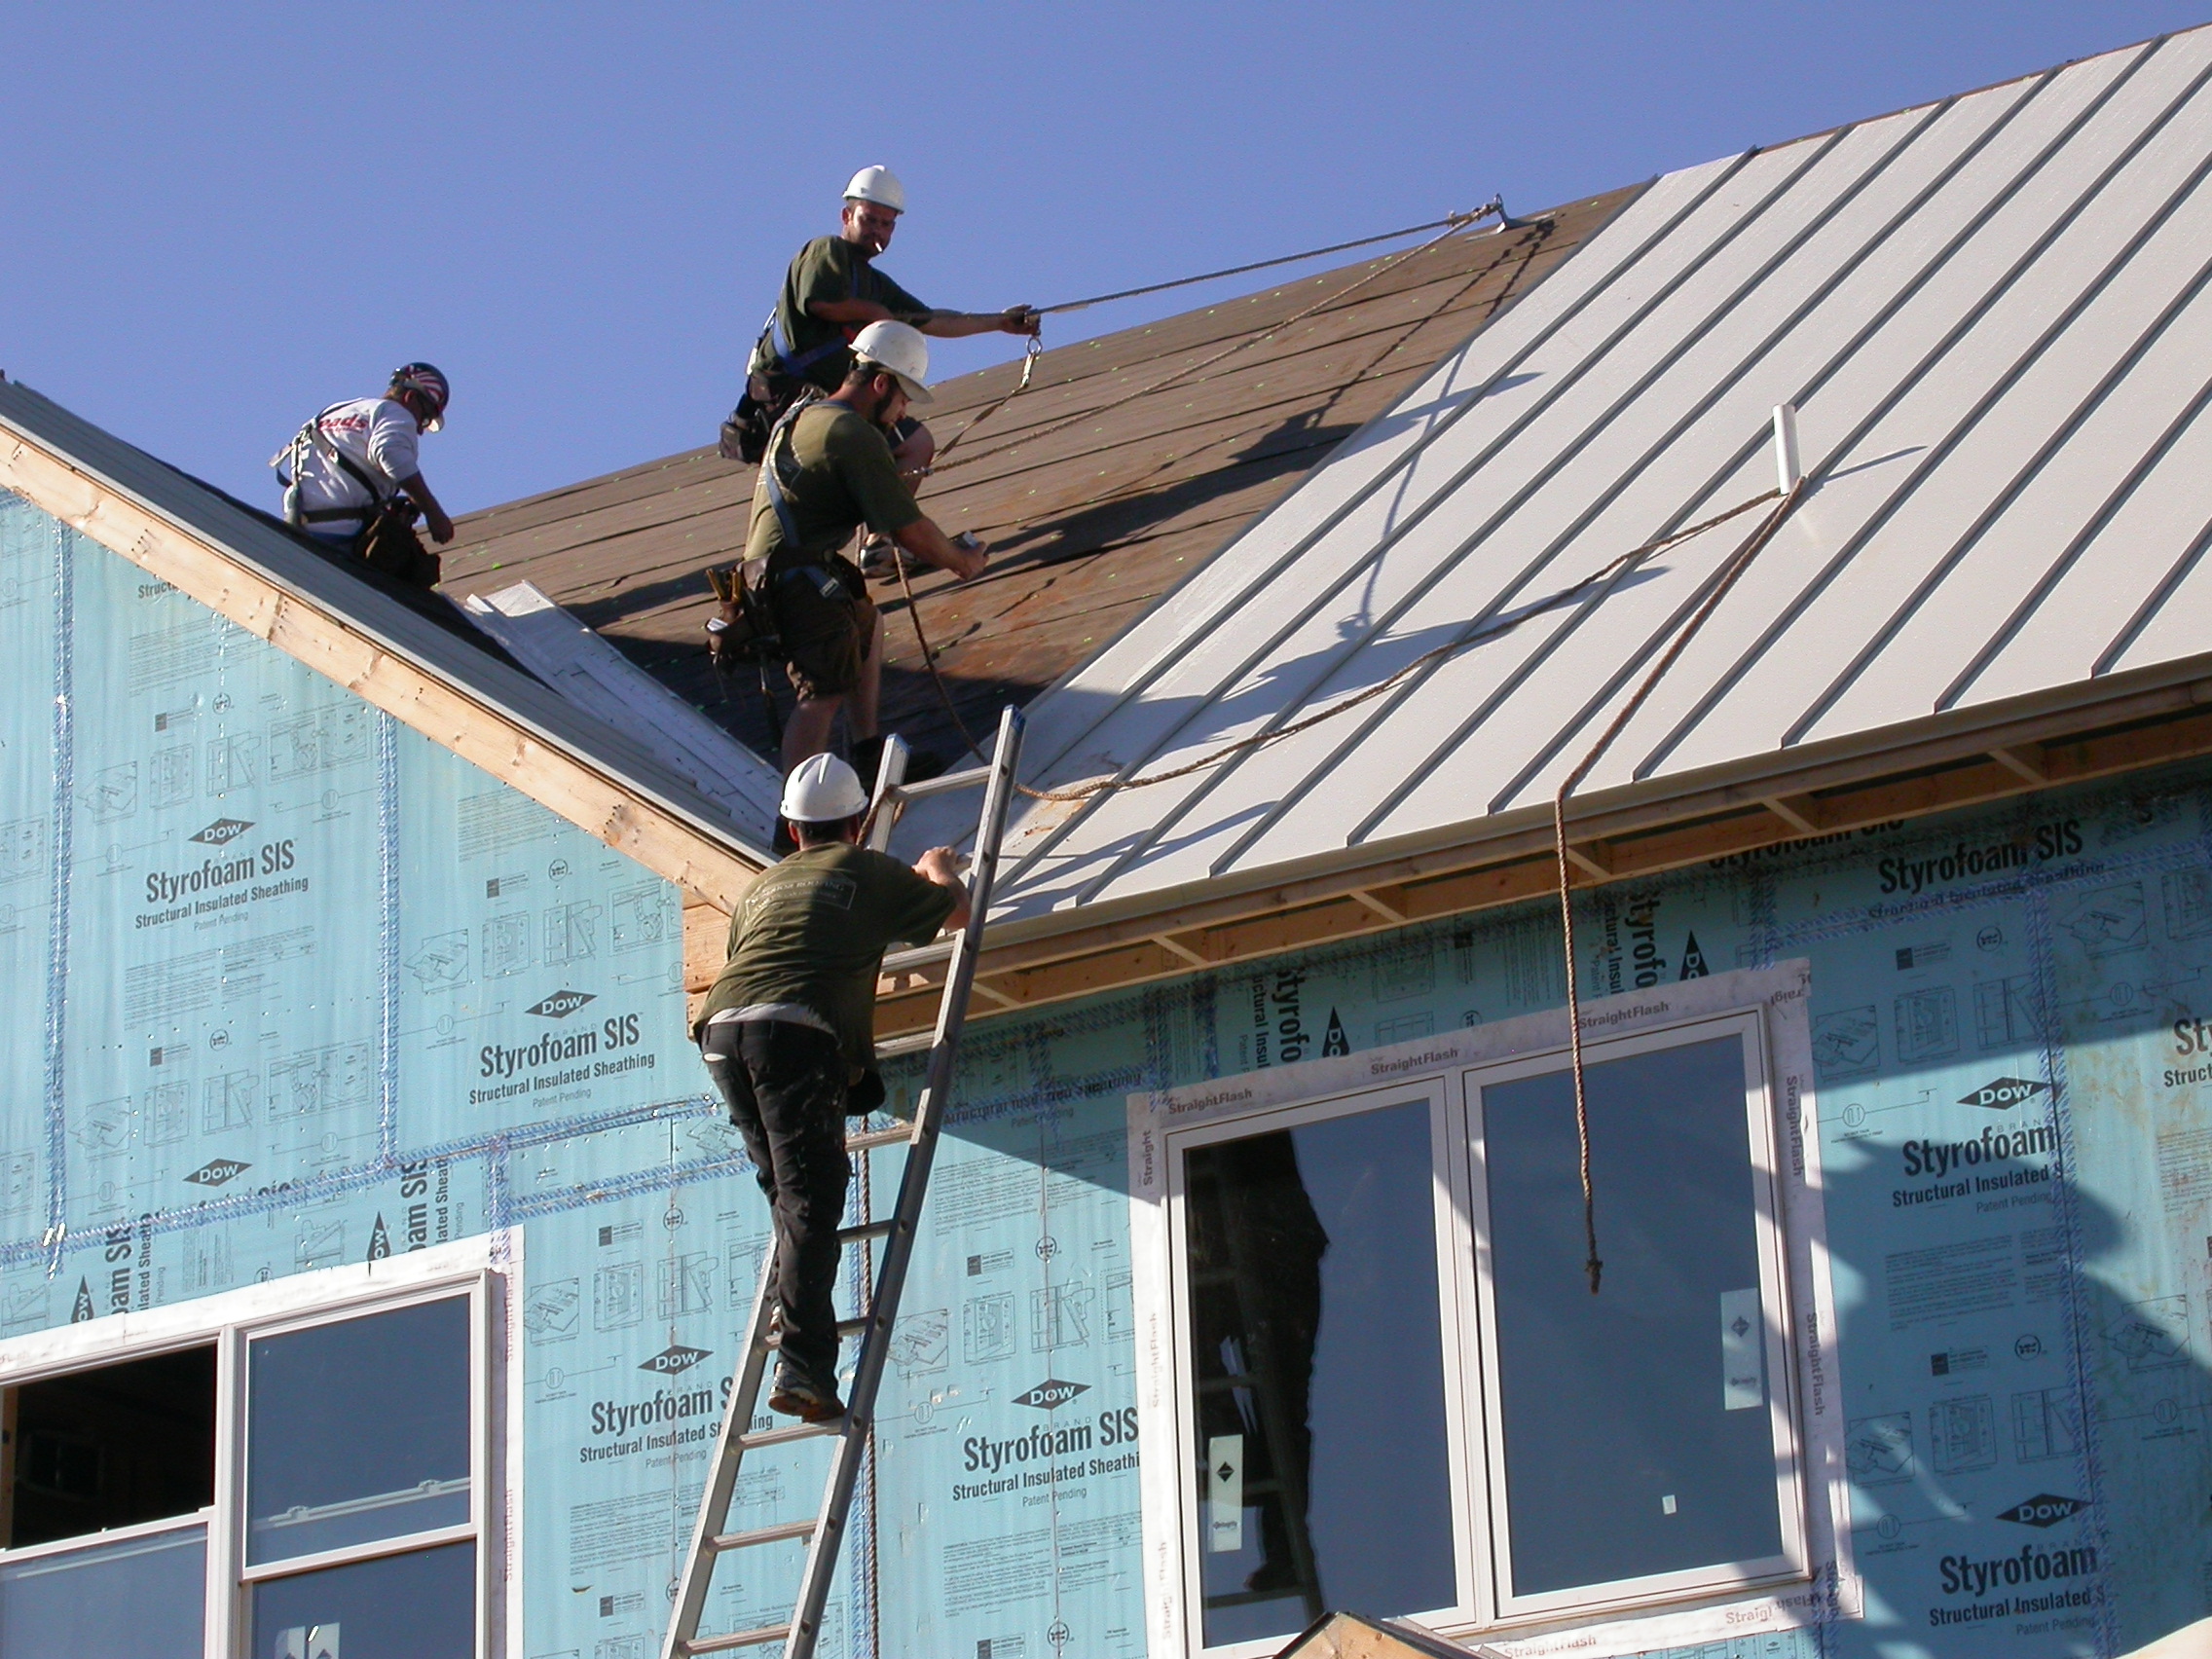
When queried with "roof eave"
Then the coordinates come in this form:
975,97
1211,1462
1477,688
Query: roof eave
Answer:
2091,729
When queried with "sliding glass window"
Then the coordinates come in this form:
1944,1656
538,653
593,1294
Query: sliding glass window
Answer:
1397,1391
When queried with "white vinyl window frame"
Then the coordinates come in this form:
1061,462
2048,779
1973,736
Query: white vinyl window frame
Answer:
1434,1093
1501,1604
1810,1577
229,1322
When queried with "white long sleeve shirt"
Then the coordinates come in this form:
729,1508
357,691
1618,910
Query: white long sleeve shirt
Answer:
376,434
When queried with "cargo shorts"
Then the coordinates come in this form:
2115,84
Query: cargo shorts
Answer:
826,621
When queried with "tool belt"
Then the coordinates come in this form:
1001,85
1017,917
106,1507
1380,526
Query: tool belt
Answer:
389,544
745,630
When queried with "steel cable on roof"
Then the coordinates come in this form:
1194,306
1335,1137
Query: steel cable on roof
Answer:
1262,739
1457,223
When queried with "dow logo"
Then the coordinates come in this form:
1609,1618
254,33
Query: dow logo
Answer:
1051,1395
2002,1093
223,832
560,1004
675,1358
217,1172
2043,1510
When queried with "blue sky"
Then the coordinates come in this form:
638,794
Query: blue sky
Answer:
214,220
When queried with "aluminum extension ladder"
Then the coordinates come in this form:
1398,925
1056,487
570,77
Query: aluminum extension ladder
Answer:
854,1431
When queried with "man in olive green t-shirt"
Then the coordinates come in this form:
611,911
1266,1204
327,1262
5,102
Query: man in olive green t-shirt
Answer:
828,470
789,1030
834,290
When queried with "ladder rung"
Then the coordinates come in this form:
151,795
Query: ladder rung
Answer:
735,1640
789,1432
908,1045
867,1229
845,1327
871,1138
764,1535
945,783
921,956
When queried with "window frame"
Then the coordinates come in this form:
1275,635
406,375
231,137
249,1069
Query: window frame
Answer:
1433,1092
1815,1579
1790,1566
231,1319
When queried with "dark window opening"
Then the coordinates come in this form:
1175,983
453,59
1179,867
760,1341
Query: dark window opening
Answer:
114,1447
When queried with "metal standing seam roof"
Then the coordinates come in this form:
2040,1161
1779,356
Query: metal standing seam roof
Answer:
1991,313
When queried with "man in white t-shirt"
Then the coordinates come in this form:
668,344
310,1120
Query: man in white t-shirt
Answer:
353,457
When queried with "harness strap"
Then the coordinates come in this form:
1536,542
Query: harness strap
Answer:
793,362
311,435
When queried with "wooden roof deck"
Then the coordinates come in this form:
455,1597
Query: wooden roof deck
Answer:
1090,523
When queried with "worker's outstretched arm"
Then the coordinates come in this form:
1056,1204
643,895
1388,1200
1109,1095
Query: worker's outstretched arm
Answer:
417,491
924,540
860,311
941,865
957,325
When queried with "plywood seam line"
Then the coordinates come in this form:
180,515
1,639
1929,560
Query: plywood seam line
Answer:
1759,538
1261,739
1457,223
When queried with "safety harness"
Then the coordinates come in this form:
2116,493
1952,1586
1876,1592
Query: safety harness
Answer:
287,462
386,538
768,391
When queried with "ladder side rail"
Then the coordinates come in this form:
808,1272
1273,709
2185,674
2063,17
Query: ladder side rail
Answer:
914,1186
883,807
722,1476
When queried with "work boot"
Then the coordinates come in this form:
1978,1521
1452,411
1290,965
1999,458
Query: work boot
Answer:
799,1393
883,558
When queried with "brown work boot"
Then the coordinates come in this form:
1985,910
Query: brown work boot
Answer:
799,1393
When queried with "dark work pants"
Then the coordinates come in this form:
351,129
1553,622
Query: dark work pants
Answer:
785,1086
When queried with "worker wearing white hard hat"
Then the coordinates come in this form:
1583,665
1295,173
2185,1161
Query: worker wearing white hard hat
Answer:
832,291
787,1032
829,473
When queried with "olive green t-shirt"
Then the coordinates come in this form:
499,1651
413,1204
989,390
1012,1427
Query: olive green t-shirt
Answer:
812,930
830,268
837,475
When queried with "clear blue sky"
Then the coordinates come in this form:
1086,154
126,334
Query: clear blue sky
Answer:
214,220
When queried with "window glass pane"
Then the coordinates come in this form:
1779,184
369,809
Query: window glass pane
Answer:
110,1447
421,1605
1637,1435
1317,1366
357,1430
145,1597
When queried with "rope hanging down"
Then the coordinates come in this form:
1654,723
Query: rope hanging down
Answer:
1736,566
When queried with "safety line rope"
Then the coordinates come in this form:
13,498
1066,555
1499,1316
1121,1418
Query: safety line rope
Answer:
1261,739
1759,538
1526,253
1457,223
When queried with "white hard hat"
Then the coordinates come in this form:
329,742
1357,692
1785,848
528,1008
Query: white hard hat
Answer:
899,349
823,790
879,185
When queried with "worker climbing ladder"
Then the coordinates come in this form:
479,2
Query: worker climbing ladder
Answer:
853,1434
